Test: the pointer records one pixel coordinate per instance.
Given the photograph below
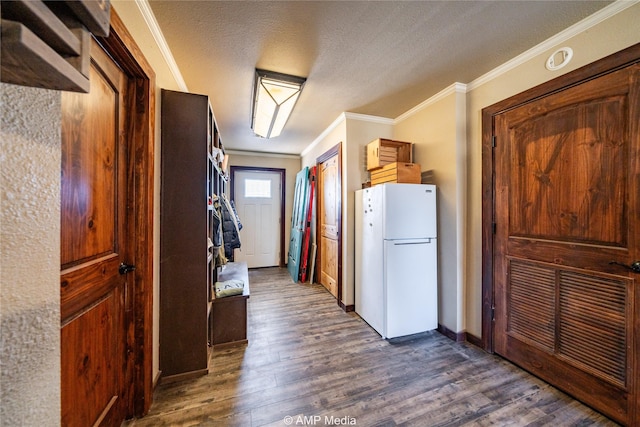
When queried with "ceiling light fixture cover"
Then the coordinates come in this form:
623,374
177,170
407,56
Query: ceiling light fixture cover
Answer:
274,96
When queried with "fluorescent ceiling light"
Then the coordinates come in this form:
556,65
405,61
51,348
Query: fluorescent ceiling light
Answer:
274,96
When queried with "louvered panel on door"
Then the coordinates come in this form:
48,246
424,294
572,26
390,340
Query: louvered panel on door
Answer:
532,303
592,325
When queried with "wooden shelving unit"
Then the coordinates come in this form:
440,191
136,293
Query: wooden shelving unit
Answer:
47,44
191,177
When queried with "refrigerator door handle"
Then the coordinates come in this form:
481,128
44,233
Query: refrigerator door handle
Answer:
421,242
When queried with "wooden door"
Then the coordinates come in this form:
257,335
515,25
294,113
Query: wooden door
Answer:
329,223
567,220
95,298
297,223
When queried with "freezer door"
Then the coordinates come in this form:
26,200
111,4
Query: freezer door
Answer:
369,296
411,292
409,211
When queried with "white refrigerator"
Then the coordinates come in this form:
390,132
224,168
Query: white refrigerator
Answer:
396,262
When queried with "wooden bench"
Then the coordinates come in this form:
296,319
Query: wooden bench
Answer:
229,314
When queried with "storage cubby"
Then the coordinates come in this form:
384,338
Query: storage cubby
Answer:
229,314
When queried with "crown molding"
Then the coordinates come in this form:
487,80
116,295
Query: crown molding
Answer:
156,32
454,88
572,31
368,118
261,154
341,118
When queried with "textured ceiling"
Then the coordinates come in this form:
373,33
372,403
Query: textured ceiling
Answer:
371,57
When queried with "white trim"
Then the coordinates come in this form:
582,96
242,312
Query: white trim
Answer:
462,214
156,32
368,118
454,88
341,118
580,27
261,154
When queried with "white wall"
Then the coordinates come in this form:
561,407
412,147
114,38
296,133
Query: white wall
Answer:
354,132
361,130
29,256
437,129
335,134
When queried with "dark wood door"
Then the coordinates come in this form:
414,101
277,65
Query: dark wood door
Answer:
328,217
567,209
94,296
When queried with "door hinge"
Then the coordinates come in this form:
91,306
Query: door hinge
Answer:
493,313
494,227
493,141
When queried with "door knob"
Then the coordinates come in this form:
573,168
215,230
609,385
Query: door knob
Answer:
126,268
635,265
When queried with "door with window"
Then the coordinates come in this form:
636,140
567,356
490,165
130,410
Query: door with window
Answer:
567,239
258,201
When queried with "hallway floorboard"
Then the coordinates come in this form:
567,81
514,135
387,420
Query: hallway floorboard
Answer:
308,360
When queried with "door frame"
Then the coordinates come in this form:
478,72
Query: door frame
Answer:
121,46
598,68
336,150
283,176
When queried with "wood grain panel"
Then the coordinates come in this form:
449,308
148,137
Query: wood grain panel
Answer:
329,267
89,283
568,182
88,182
91,377
329,213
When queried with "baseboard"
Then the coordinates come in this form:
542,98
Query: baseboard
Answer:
472,339
183,376
455,336
230,344
347,308
156,380
461,336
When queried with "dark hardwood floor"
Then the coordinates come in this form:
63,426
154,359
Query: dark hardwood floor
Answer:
309,360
